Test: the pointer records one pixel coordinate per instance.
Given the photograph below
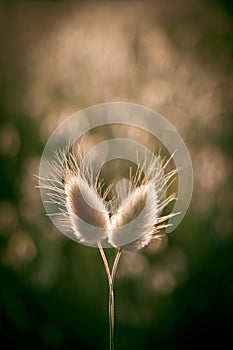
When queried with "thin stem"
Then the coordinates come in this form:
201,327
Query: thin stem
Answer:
111,278
105,262
114,268
111,317
111,299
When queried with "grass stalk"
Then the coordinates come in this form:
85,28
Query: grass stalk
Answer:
111,278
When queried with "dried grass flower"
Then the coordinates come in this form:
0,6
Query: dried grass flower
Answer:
128,221
139,212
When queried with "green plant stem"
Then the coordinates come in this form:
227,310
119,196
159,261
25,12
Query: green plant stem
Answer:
111,279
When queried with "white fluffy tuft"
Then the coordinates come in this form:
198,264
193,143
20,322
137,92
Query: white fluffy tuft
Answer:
130,221
132,225
85,207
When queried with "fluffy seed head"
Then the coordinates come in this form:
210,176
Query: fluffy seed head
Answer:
135,217
129,222
85,206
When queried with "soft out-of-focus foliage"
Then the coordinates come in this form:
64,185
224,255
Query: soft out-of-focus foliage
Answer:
59,57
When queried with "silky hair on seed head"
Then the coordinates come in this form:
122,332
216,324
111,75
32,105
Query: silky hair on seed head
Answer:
129,222
78,196
139,212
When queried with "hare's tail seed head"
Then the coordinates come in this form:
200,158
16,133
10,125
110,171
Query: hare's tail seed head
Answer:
81,198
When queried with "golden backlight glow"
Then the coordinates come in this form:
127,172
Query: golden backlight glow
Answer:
67,56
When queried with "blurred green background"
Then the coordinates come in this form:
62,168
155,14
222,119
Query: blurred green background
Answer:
58,57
